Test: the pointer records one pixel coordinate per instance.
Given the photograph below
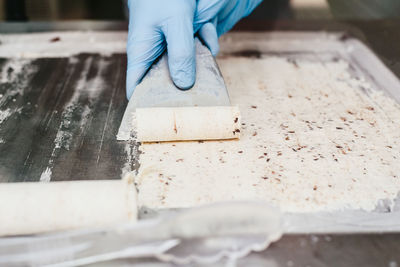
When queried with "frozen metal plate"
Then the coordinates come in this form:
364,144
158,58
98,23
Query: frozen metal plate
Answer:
55,130
322,47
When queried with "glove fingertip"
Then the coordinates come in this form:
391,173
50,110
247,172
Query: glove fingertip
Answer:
182,60
214,49
184,79
208,34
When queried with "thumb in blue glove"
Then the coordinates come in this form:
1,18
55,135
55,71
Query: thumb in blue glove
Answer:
155,25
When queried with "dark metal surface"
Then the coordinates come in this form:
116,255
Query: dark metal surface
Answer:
366,9
15,10
334,250
57,125
42,26
311,251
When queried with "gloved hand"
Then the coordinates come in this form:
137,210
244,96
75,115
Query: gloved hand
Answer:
155,25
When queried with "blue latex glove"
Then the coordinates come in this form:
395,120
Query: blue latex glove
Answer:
155,25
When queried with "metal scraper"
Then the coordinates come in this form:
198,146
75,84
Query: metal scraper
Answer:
158,90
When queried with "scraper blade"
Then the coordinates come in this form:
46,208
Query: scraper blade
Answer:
158,90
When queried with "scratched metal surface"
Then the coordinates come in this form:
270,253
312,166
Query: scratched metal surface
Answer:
59,118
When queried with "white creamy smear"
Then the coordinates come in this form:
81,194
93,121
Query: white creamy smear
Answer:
311,140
